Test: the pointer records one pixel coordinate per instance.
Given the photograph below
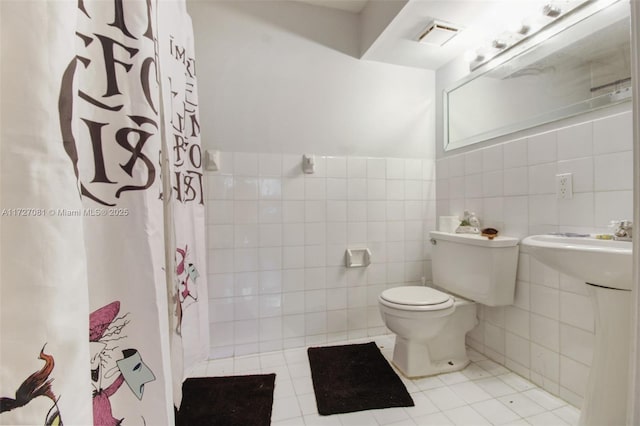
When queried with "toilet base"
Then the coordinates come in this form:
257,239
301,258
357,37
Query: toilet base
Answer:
443,353
414,359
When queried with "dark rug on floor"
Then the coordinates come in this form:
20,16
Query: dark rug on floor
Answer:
227,401
354,378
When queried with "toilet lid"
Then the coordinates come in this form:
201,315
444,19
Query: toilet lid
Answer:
415,296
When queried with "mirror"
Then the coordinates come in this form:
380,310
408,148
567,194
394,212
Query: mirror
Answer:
581,67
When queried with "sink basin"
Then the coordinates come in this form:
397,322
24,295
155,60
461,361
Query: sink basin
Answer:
607,266
606,263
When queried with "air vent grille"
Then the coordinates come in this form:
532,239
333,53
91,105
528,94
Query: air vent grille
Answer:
438,33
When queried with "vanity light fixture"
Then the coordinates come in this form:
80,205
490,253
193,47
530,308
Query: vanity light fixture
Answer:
533,30
521,28
551,11
499,44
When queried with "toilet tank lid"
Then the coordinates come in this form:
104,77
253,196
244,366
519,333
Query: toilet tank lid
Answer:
474,239
414,295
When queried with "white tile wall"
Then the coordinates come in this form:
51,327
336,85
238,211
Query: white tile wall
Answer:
277,239
547,335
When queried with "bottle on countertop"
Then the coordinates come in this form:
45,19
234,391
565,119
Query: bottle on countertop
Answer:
470,224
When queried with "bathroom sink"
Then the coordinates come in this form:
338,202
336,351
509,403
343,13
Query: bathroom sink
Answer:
607,266
605,263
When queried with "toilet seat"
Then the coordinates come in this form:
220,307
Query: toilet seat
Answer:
416,298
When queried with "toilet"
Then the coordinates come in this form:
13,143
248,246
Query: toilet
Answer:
430,324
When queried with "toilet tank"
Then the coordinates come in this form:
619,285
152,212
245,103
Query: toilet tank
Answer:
475,267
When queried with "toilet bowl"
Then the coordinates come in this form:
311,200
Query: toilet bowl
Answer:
430,327
430,324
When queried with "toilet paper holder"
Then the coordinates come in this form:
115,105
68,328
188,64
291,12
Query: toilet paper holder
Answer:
357,258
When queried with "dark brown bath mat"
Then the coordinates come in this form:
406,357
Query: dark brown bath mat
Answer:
227,401
354,378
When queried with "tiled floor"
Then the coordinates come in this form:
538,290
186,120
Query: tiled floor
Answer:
484,393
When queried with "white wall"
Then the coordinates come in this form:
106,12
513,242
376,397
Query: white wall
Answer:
282,77
547,335
277,80
277,239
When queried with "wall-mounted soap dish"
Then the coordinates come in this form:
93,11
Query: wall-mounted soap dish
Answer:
357,258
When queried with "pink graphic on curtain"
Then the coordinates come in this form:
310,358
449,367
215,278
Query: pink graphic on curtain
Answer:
186,292
106,334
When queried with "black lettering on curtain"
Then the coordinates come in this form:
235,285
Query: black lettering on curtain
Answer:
108,101
187,156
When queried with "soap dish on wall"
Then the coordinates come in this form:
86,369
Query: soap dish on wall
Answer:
357,258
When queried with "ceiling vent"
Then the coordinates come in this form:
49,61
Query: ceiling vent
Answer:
438,33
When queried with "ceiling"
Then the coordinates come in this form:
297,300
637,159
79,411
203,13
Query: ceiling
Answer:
398,23
354,6
479,21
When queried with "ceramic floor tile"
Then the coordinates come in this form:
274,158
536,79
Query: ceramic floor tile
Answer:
285,408
436,419
302,385
281,371
318,420
470,392
294,421
249,372
283,388
359,418
408,383
483,393
474,372
272,360
199,370
423,406
545,419
299,370
297,355
569,414
520,422
466,416
244,364
221,367
390,415
521,404
495,387
492,367
307,403
385,341
516,382
495,412
444,398
453,378
547,401
427,383
405,422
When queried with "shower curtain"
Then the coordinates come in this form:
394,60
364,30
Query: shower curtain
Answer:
102,293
